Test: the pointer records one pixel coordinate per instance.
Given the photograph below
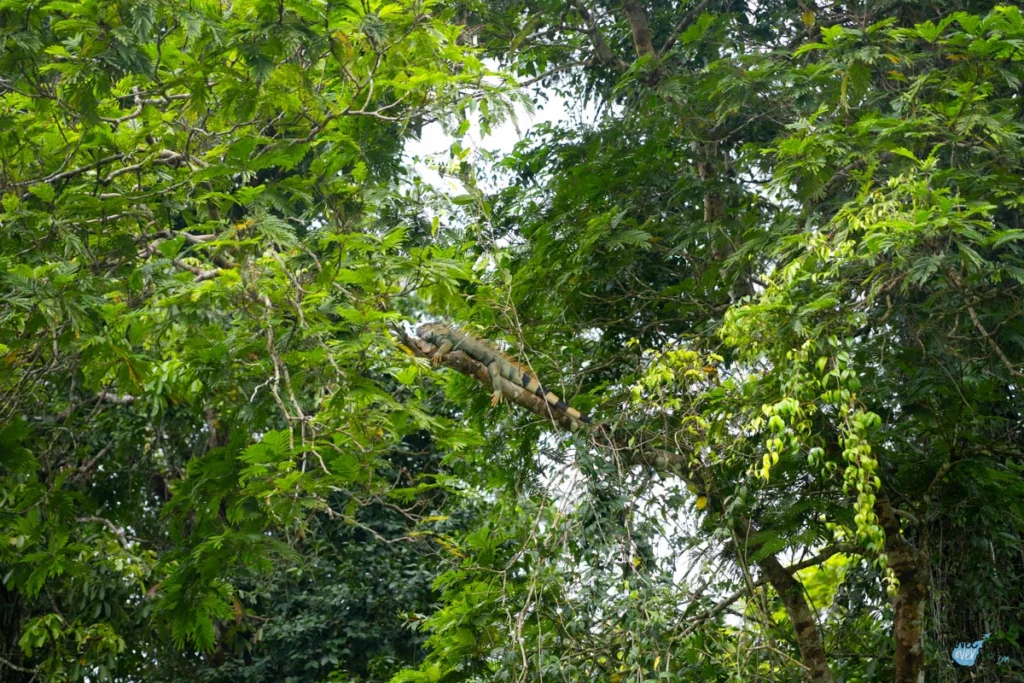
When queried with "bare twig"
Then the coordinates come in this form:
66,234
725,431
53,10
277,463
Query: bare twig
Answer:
955,279
11,665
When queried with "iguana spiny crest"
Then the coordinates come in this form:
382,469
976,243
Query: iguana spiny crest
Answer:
498,365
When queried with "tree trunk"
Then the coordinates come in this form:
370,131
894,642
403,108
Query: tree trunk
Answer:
812,651
707,158
637,18
911,597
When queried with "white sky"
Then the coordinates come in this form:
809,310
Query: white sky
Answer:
434,142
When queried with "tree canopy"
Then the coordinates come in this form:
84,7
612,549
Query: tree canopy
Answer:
775,249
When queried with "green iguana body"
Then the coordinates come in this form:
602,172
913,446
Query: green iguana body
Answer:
498,365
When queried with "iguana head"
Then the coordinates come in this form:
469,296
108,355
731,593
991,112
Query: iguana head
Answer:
432,331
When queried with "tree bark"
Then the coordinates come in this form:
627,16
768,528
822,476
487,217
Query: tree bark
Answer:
714,207
908,605
637,18
812,651
604,52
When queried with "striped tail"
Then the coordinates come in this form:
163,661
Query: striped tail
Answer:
531,384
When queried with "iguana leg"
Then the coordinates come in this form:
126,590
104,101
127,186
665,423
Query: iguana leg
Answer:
441,352
494,370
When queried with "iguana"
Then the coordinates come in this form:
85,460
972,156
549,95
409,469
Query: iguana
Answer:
498,365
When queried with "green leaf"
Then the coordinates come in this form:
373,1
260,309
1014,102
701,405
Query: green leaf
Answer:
276,231
808,47
407,375
43,191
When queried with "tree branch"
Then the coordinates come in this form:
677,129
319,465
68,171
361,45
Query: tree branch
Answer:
11,665
637,18
1014,372
86,468
692,472
910,567
459,361
73,172
722,605
955,279
110,397
604,53
808,639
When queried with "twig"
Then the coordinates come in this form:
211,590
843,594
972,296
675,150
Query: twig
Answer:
955,279
992,342
73,172
11,665
89,464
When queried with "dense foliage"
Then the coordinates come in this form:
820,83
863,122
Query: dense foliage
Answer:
200,260
777,251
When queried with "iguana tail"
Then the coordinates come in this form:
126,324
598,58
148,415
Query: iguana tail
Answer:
530,383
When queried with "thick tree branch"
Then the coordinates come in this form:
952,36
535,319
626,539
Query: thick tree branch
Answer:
172,234
11,665
808,639
637,18
680,462
122,400
604,52
910,567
